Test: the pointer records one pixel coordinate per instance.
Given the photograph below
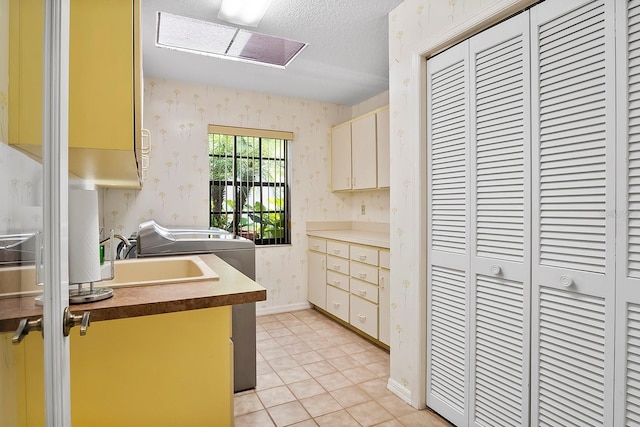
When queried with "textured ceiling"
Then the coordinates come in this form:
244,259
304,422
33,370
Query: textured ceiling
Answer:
345,62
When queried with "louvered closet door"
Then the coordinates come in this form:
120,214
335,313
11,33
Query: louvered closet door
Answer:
573,269
627,399
447,318
500,224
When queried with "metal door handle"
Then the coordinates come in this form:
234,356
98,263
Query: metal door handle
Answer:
24,327
70,320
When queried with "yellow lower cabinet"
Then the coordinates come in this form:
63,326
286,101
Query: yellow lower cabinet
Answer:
171,369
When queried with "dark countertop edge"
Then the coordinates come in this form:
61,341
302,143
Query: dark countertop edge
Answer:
142,309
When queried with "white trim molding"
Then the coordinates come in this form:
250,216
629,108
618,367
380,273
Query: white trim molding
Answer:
401,391
282,309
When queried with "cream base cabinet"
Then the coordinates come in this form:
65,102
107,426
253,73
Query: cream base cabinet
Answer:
356,289
316,273
384,299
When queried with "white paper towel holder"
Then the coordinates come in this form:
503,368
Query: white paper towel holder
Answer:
82,295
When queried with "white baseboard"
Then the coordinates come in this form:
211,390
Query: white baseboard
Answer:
261,311
399,390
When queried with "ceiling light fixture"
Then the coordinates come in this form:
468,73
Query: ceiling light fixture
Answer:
243,12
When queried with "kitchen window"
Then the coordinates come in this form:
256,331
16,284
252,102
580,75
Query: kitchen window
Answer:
249,183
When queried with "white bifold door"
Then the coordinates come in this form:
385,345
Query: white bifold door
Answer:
479,228
573,274
534,223
627,338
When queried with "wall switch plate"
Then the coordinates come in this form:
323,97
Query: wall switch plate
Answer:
362,209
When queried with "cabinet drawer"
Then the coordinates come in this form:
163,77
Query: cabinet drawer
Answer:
338,249
364,272
385,260
364,254
364,290
338,280
317,245
340,265
364,316
338,303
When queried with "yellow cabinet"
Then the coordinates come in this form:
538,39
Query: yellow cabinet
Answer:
104,87
169,369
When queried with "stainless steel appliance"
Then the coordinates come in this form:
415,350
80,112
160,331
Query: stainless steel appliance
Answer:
154,240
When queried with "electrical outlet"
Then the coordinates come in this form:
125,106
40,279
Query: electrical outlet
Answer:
362,209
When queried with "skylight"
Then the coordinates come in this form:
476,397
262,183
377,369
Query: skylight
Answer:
221,41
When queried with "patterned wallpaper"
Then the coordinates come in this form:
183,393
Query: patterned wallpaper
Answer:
411,25
177,189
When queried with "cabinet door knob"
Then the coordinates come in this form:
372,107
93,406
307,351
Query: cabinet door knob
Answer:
496,269
566,281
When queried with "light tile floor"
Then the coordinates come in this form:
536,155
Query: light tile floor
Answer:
314,372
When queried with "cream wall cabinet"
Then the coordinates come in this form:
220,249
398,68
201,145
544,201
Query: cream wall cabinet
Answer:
384,137
360,152
357,284
363,153
341,157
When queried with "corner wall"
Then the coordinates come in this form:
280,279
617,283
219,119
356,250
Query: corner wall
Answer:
177,190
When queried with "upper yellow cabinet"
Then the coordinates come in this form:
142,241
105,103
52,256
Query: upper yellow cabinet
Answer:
360,152
105,87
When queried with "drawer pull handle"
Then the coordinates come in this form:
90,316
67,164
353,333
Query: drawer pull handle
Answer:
382,282
362,317
336,282
336,304
362,275
362,292
336,251
315,246
336,267
362,257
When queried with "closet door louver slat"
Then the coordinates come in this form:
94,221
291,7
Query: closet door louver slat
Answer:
573,268
500,212
627,343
